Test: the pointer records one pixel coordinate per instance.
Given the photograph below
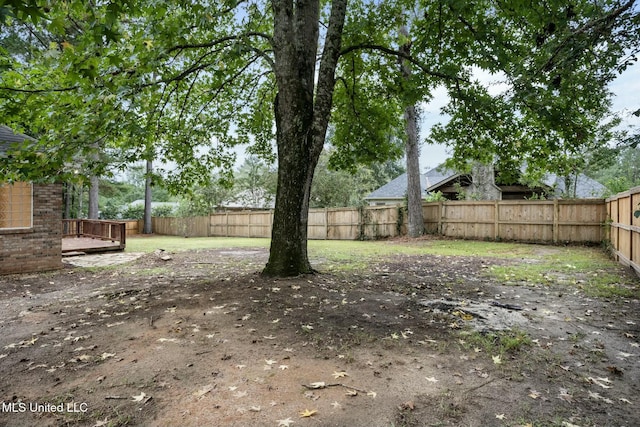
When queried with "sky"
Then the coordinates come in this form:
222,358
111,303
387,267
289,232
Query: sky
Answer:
626,89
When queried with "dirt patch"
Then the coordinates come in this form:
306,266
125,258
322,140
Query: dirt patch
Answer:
199,338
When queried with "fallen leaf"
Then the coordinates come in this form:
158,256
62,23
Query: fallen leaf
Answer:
204,390
336,405
431,379
534,394
307,413
101,423
564,395
319,384
255,409
285,423
351,393
139,398
373,394
270,362
500,416
496,360
107,355
408,405
340,374
283,367
599,382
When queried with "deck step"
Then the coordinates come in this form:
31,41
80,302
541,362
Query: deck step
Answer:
73,253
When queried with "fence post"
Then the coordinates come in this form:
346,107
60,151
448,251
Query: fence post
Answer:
496,220
326,223
556,214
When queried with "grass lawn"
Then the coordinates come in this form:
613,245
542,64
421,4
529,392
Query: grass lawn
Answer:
588,268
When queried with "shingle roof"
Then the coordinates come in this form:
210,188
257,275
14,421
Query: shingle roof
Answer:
396,189
8,137
586,188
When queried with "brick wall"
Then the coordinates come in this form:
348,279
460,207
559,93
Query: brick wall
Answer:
40,247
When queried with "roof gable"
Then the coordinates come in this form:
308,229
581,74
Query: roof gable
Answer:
439,176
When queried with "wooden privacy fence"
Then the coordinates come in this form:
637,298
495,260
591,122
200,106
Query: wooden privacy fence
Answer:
625,227
523,220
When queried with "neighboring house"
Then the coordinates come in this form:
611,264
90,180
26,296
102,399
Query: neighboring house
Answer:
450,183
30,220
168,205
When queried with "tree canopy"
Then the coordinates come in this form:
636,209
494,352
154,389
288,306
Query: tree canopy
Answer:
185,81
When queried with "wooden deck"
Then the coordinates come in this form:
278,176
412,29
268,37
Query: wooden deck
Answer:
91,236
74,245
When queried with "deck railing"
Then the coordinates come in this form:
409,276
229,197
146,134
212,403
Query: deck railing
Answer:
95,229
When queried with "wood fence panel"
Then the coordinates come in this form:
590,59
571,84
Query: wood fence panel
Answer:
165,226
635,230
625,227
522,220
526,220
380,222
318,224
132,227
260,223
581,222
218,224
431,214
343,224
468,219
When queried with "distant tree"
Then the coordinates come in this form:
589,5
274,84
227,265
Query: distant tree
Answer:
255,183
337,187
203,200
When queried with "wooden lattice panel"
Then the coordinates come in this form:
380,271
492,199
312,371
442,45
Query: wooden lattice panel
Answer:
16,205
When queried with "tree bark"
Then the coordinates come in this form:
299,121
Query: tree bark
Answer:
68,199
414,188
94,194
302,112
147,227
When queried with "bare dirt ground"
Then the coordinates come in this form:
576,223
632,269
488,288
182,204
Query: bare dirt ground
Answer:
201,339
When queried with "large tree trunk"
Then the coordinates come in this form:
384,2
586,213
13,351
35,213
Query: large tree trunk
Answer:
68,199
94,194
414,189
147,227
302,116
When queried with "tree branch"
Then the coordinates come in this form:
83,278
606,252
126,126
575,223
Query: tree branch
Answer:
604,20
15,89
401,55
